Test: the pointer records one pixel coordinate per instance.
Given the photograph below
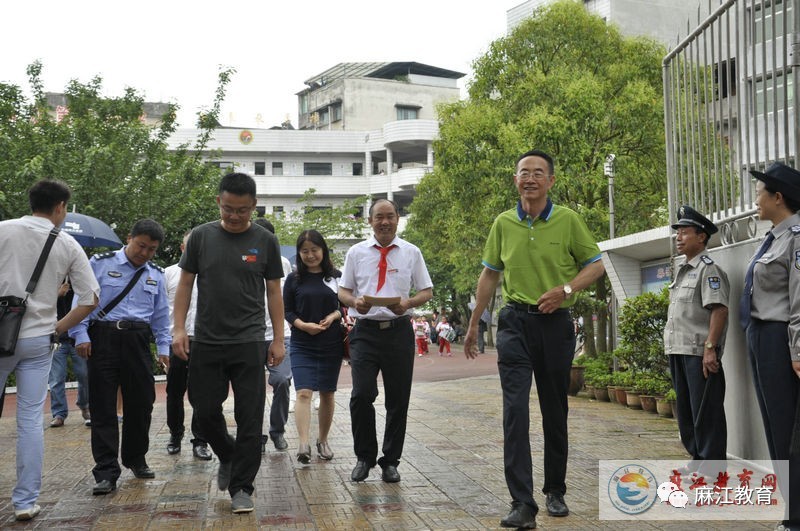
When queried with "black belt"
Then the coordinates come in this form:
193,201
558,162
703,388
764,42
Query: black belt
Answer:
533,308
121,325
384,325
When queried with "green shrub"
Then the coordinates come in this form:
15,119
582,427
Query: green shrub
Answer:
641,329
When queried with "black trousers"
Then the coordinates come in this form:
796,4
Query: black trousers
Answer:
213,368
700,406
120,359
391,352
177,383
778,391
541,347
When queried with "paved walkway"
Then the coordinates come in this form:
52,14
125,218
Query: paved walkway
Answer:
452,475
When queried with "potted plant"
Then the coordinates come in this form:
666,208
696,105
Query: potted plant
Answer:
596,371
664,404
601,383
622,382
650,385
576,375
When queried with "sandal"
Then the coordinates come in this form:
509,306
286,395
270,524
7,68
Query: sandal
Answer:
304,454
324,451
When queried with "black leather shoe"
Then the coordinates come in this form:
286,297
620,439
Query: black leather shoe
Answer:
521,516
201,451
142,471
390,474
103,487
279,441
174,445
556,505
360,472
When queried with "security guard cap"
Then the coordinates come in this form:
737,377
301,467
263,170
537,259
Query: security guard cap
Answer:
781,178
689,217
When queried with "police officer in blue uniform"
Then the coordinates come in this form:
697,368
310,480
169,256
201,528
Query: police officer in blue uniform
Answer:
769,312
115,339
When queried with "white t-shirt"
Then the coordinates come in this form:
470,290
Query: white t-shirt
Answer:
172,275
287,330
22,241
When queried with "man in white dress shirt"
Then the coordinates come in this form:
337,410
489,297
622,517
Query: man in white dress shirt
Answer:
382,339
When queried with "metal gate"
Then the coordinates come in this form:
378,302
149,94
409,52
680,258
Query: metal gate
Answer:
729,107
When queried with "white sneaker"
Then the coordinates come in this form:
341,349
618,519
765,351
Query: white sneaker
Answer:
27,514
316,403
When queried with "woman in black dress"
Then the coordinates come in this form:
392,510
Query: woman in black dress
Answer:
312,308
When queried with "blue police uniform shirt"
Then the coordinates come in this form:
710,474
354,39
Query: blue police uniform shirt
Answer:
146,301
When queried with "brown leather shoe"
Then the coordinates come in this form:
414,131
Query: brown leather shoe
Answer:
57,422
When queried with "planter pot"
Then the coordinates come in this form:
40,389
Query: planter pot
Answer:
633,400
648,403
575,380
601,394
612,393
663,408
622,398
589,390
674,408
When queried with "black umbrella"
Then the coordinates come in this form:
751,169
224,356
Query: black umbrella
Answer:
89,231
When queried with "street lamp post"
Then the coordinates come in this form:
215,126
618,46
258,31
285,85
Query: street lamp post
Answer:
608,170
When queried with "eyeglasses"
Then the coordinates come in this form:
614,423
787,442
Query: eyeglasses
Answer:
537,175
230,211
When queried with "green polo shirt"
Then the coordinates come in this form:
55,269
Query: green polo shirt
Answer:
536,255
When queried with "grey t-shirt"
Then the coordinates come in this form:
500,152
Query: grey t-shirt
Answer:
231,269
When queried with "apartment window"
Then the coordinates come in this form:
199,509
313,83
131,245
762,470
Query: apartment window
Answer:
762,21
261,168
317,168
310,209
222,165
277,168
406,112
358,168
277,210
303,103
725,78
764,90
324,117
336,112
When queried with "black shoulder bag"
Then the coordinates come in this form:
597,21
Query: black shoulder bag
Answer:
12,308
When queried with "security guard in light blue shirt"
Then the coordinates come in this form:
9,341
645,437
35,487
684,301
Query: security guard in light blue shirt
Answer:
115,339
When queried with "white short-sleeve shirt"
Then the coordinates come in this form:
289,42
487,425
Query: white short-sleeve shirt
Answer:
405,270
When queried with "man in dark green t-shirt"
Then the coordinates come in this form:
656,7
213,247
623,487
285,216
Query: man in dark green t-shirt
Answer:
545,253
234,261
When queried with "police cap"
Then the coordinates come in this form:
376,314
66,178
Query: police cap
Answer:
781,178
689,217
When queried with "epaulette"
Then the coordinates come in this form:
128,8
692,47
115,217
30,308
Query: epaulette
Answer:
795,229
706,259
156,266
107,254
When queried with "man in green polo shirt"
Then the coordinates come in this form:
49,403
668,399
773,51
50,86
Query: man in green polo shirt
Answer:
545,253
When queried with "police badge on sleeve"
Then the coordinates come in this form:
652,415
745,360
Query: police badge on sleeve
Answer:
713,283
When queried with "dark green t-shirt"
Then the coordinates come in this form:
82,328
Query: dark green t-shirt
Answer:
231,269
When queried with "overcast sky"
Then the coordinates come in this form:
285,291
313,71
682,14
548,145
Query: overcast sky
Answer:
170,50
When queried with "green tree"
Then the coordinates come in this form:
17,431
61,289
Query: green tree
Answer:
566,82
120,168
337,223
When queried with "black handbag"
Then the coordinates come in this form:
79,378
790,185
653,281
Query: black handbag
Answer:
12,308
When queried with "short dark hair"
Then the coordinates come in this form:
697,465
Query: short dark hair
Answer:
394,205
698,230
328,269
45,195
148,227
238,184
538,153
792,204
267,224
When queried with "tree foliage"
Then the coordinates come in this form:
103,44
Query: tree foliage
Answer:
338,224
567,83
119,168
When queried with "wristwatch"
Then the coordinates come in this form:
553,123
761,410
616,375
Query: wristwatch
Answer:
567,291
709,344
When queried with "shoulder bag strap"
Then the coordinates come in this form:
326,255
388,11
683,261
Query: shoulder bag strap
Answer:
37,271
110,306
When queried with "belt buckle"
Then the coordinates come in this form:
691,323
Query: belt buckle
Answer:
118,325
383,325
